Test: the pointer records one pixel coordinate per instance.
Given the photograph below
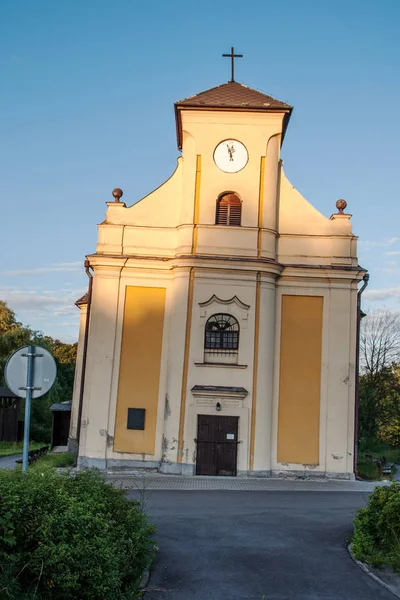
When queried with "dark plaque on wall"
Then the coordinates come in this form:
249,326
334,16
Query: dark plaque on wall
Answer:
136,418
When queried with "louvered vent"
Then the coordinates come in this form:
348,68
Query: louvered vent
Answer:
229,210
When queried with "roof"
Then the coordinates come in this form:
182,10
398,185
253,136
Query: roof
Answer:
61,406
82,300
231,96
234,95
5,393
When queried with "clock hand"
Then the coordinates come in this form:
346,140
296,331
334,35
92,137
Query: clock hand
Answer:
231,150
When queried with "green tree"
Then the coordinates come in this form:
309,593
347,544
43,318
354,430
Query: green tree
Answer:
379,405
379,379
13,335
8,321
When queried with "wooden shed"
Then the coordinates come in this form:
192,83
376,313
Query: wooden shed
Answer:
61,418
9,410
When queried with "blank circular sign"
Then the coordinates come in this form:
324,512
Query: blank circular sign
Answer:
44,371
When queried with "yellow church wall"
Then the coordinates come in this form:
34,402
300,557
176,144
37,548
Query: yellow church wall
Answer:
160,208
339,292
152,273
150,241
300,380
140,367
162,222
307,236
296,214
109,239
214,239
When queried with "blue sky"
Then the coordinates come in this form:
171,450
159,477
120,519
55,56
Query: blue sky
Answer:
87,105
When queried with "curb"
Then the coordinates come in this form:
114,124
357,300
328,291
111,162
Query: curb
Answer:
145,579
368,572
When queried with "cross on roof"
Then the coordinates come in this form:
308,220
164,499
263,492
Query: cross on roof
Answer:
232,56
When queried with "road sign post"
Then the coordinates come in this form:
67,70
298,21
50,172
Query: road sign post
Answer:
27,424
29,373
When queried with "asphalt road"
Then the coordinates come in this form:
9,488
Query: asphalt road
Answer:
224,545
9,462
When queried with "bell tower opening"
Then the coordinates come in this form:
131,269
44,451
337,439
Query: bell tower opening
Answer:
228,210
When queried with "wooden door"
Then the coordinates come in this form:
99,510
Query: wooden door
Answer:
216,445
61,420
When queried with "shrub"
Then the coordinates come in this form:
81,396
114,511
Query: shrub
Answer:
377,528
64,537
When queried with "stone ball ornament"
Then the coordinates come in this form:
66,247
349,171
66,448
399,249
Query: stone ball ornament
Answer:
341,205
117,193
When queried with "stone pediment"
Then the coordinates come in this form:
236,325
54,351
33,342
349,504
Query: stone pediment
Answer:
215,300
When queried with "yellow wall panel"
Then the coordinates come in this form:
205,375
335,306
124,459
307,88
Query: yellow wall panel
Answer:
139,373
300,379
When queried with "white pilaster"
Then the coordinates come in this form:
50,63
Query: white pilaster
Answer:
339,449
265,374
176,354
78,376
99,366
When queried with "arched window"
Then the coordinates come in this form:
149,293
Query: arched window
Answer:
221,340
229,210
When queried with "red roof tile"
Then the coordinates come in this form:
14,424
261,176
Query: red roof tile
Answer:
82,300
234,95
231,95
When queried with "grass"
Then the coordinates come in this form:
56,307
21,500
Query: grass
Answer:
368,469
10,448
391,454
53,461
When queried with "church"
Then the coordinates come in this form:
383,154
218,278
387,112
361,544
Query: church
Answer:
218,336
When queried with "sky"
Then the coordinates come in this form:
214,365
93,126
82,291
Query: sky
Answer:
86,105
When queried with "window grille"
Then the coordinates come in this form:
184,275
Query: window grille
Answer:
221,342
229,210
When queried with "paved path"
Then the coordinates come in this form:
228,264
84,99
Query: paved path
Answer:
9,462
157,481
227,545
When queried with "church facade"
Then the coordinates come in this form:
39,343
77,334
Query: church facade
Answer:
223,312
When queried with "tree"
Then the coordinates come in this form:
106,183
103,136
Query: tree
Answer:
379,398
13,335
8,321
379,342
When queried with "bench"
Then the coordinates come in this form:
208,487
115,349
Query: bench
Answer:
386,469
35,454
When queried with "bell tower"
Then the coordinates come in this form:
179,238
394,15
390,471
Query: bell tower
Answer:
230,137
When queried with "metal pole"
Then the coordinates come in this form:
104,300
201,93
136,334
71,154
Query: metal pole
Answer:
357,367
29,386
84,354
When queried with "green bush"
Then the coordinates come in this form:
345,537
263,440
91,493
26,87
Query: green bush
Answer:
65,537
377,528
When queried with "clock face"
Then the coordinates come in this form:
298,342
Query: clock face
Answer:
231,156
